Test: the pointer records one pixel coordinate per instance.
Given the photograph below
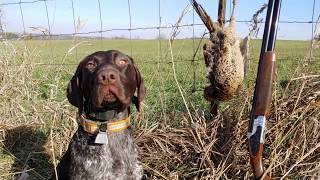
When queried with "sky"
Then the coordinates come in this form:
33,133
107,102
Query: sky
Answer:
145,13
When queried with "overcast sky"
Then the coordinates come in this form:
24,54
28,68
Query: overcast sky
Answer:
145,13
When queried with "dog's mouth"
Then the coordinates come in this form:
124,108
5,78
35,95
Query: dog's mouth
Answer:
108,96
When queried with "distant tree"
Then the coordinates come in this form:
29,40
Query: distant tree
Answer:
9,35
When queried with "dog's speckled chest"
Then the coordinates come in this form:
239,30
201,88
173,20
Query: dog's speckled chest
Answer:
116,160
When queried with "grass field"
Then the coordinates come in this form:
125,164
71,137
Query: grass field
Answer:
37,121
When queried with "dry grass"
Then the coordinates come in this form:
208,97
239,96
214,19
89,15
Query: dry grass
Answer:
33,123
27,118
217,148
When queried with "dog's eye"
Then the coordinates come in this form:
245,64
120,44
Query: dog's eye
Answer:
91,65
121,62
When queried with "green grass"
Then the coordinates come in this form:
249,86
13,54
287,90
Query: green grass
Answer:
158,76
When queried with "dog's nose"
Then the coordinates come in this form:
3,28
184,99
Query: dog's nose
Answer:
108,76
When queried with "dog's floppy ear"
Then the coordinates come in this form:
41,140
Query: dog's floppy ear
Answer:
141,90
74,92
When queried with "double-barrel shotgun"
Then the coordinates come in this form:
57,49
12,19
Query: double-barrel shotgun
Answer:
263,91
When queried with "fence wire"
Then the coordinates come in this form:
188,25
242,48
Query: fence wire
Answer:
47,33
312,27
100,18
75,29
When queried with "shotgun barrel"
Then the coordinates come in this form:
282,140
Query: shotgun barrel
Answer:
263,90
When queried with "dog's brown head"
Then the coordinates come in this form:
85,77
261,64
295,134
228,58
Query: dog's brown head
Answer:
106,80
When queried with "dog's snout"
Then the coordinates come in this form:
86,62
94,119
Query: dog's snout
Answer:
108,76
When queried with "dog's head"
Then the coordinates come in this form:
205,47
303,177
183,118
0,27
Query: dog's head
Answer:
106,80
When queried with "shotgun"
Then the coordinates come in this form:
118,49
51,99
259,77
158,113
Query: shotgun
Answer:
263,90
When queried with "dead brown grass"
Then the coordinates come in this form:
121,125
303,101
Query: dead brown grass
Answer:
33,127
212,150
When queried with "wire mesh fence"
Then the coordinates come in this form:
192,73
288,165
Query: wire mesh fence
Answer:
45,30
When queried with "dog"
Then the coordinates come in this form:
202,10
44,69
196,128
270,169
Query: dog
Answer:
102,88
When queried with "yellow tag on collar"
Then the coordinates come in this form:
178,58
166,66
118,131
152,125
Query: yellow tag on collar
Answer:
92,127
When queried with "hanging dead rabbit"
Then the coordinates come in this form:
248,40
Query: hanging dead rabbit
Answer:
224,58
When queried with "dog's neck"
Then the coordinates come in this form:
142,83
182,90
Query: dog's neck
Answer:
96,123
105,116
102,114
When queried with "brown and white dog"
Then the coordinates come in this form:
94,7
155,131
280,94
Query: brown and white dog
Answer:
102,89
